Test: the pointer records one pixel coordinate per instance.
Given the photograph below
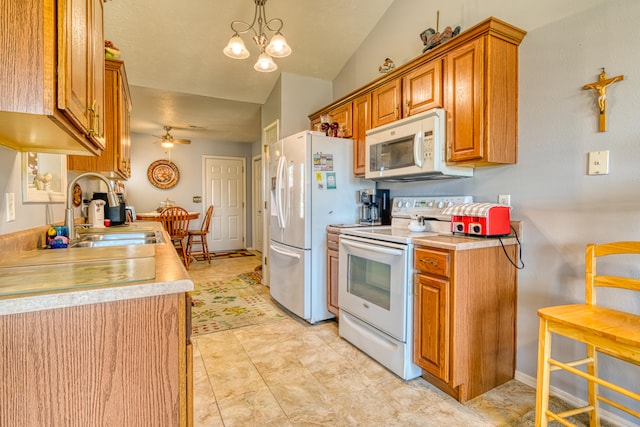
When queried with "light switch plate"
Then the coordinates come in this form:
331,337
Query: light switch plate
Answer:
10,203
598,162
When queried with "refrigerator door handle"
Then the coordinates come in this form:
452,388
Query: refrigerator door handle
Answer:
279,191
285,253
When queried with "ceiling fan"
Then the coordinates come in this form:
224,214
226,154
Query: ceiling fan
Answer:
167,140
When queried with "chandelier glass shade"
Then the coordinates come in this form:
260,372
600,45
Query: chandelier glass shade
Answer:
167,144
275,47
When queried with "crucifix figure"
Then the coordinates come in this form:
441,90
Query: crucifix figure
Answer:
601,87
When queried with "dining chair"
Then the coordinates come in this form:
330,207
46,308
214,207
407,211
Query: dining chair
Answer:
603,330
175,221
199,237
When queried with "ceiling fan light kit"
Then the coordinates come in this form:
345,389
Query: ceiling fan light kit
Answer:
276,47
167,140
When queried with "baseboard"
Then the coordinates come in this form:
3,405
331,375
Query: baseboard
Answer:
574,401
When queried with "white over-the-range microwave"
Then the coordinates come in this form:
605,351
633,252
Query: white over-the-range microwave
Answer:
411,149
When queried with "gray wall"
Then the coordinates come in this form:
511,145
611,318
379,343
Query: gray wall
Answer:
561,207
188,158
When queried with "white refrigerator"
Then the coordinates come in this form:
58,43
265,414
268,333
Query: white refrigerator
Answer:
312,186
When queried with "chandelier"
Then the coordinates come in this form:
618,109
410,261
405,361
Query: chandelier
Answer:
276,47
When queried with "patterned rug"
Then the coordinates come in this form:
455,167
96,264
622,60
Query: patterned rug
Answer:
225,254
219,305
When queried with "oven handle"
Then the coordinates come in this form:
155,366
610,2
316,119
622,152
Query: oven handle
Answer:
372,248
285,253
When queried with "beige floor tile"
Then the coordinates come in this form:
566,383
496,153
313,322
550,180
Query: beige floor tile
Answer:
290,373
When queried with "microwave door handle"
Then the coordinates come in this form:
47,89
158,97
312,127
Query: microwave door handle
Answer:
418,149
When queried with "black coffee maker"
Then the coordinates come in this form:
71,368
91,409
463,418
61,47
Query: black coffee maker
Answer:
376,207
117,214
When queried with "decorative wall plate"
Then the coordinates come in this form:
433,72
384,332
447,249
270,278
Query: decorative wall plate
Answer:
77,195
163,174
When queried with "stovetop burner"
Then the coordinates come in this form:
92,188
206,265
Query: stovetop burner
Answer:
406,208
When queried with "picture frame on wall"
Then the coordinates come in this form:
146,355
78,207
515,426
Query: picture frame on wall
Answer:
44,178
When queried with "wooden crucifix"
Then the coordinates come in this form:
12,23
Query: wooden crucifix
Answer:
601,87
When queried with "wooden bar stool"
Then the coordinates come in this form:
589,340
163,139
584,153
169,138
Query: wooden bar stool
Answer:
199,237
603,330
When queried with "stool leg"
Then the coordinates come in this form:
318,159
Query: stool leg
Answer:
542,388
592,368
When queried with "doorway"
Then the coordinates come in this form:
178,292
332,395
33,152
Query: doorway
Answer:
257,203
270,134
224,188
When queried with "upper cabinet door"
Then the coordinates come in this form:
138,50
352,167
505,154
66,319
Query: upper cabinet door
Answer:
422,88
81,66
385,103
361,124
465,110
343,116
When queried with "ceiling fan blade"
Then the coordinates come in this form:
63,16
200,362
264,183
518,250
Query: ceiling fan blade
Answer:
181,141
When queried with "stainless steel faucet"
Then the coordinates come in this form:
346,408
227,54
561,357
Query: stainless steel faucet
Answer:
68,213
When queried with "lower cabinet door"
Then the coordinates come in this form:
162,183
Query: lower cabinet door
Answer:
432,326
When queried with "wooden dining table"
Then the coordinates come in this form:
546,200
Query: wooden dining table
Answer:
155,216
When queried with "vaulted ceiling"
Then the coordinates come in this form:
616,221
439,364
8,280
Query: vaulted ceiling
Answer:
179,76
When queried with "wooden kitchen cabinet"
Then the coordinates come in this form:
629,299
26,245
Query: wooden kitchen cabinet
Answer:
361,124
465,318
81,65
343,115
473,76
114,161
51,77
422,88
385,103
333,257
482,101
113,363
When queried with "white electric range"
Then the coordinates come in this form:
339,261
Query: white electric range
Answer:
375,277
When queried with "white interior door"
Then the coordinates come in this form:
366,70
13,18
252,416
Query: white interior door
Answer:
224,188
256,190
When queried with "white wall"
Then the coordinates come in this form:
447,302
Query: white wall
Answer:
561,207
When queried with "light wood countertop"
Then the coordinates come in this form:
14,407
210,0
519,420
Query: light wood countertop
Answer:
53,278
461,242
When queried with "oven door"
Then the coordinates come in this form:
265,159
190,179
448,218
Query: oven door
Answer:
373,283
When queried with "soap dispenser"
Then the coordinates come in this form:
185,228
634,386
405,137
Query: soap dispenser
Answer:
96,213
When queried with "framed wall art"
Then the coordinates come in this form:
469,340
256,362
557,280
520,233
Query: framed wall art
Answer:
44,178
163,174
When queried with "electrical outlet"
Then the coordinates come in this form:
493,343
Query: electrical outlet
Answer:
598,162
504,199
10,203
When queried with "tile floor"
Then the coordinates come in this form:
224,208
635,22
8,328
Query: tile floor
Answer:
290,373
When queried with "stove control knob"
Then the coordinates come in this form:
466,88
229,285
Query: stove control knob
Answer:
430,203
449,203
440,205
399,204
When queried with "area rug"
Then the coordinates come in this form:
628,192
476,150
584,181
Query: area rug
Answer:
226,254
219,305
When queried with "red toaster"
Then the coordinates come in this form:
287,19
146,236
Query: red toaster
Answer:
480,219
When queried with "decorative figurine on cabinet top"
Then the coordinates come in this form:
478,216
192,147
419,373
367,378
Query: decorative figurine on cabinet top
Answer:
387,66
432,38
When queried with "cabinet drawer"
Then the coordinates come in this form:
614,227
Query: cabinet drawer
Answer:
333,241
432,262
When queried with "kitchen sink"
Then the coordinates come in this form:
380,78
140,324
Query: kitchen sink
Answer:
95,240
